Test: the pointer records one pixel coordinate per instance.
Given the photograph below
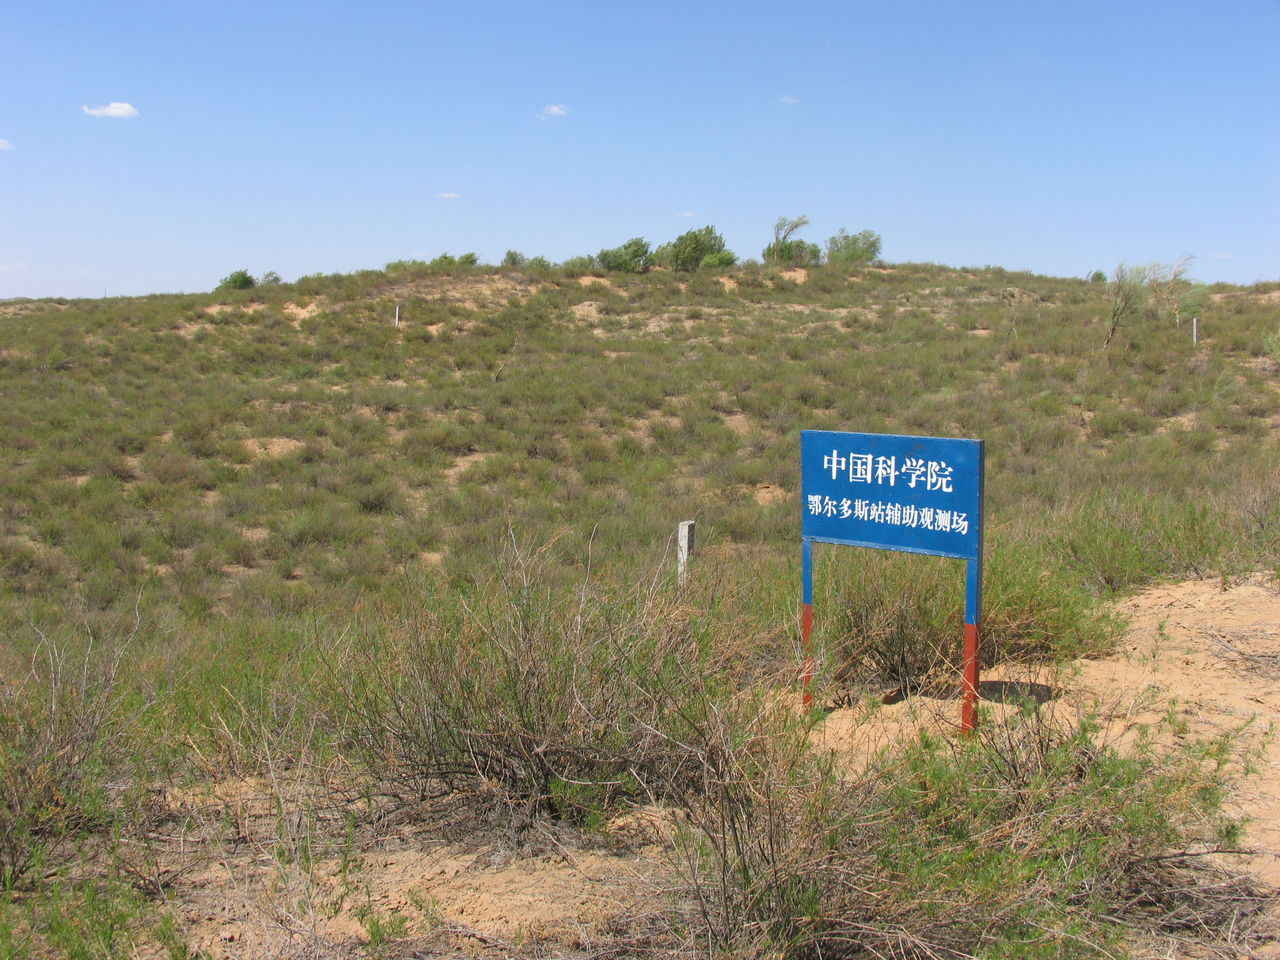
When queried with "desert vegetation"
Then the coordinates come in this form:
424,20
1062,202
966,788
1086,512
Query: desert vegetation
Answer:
283,579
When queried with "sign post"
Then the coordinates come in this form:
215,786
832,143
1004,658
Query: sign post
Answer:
893,492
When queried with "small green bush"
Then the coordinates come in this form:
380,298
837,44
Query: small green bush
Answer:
631,257
845,250
690,250
237,280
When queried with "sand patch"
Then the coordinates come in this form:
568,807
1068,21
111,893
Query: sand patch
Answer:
1185,421
216,309
739,423
587,310
1213,650
1208,653
767,493
602,281
560,900
272,448
1271,296
462,464
296,312
480,293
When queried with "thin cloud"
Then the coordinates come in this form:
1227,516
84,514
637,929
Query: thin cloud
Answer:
115,109
20,266
685,213
5,144
555,110
1219,256
788,100
448,195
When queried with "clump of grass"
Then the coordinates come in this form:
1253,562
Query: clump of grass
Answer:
1028,840
897,620
556,704
57,724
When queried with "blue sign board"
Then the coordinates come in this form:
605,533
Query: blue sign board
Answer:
920,494
891,492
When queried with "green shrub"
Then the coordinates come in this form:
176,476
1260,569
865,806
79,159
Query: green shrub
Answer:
690,250
631,257
788,251
845,250
237,280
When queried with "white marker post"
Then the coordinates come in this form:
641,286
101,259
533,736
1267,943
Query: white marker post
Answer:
397,316
684,549
1195,331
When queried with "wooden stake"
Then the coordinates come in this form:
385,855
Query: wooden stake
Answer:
684,549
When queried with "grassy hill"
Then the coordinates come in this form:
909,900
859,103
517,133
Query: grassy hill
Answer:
277,495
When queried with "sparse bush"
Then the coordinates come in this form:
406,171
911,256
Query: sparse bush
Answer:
561,707
1028,839
55,729
1127,295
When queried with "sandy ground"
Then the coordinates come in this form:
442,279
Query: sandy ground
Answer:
1209,653
1205,653
1214,652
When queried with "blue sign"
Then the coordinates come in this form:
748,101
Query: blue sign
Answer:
919,494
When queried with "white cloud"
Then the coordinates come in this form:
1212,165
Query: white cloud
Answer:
788,100
555,110
448,195
115,109
685,213
1219,256
5,144
20,266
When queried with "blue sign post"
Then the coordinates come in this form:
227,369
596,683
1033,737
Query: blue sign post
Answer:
889,492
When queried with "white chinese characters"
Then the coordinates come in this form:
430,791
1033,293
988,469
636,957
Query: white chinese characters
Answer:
932,475
891,514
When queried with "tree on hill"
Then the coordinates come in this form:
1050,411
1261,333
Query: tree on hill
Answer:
849,250
1169,288
631,257
694,250
785,250
1127,295
237,280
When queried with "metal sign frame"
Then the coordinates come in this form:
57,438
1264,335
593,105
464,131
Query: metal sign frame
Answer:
895,492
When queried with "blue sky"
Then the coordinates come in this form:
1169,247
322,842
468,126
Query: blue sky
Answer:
304,138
